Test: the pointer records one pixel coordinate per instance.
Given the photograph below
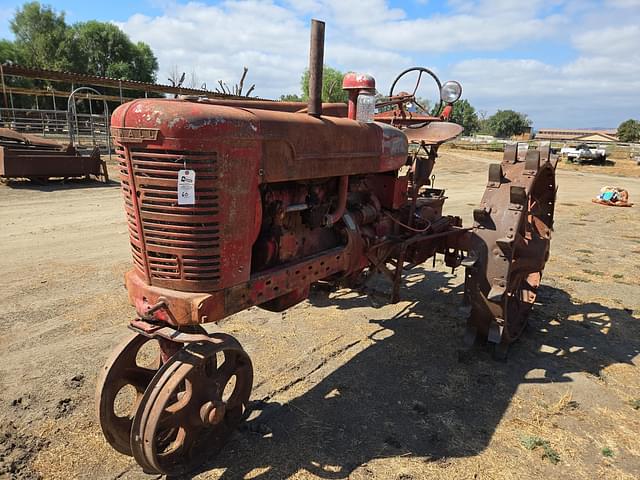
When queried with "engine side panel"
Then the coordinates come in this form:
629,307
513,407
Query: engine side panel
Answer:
298,147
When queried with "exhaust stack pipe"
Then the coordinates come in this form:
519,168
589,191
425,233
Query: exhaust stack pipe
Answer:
316,61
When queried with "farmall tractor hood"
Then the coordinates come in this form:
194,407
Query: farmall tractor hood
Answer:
289,146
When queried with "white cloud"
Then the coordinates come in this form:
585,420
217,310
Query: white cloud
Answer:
618,42
273,41
363,12
473,25
503,7
460,32
598,86
217,41
305,6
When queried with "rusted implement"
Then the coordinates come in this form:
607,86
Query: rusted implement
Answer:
233,205
36,158
11,138
510,245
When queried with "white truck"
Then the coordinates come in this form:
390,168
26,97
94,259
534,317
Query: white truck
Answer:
583,153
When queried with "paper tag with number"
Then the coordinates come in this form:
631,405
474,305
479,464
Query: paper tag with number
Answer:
186,187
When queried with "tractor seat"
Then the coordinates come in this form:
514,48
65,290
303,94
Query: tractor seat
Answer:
434,133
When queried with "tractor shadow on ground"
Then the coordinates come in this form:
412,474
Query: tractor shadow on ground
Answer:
412,394
58,184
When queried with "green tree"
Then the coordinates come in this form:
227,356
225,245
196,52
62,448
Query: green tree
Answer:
506,123
465,115
103,49
629,131
43,39
8,52
41,36
146,64
331,85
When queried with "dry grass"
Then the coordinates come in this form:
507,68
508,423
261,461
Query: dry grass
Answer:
572,386
82,450
622,167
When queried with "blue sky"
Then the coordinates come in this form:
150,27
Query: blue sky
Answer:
566,63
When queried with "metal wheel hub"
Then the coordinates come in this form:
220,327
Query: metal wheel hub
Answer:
212,413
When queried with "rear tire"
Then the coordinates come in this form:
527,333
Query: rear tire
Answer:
510,244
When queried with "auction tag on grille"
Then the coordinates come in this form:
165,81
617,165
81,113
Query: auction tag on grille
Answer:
186,187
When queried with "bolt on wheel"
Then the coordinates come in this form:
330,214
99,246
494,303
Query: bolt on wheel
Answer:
122,383
120,388
191,406
510,245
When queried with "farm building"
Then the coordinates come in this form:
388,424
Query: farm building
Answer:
564,134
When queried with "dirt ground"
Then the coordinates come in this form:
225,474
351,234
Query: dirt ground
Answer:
345,385
619,163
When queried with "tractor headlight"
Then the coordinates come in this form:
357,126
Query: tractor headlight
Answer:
450,91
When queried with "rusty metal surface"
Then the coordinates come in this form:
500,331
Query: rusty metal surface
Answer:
192,308
328,109
167,228
9,137
185,307
189,247
304,148
121,370
358,81
192,405
510,244
400,119
316,66
390,190
42,164
434,133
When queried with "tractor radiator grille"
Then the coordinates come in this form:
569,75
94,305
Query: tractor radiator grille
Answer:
175,246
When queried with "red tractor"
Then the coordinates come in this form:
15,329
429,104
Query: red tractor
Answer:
238,203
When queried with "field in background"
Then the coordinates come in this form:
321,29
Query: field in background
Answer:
621,157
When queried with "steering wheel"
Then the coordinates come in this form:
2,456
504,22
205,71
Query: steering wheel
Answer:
422,70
